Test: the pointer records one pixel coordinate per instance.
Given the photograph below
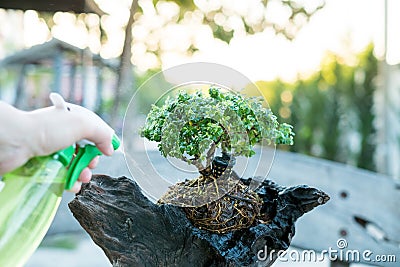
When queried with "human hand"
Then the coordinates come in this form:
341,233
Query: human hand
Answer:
85,175
24,135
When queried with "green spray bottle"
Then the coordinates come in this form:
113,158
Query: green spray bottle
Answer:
30,196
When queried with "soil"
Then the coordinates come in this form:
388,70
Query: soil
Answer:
230,203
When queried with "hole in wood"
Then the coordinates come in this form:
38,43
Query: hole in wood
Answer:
344,194
343,232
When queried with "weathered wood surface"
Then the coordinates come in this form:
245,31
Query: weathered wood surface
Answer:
133,231
353,192
339,264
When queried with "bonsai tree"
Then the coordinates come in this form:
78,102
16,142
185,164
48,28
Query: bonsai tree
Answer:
191,126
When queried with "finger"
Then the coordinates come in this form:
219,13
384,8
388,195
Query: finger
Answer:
94,162
106,148
76,187
85,175
92,128
102,138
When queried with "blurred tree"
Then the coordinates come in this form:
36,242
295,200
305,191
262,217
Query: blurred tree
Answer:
362,91
332,111
225,19
125,75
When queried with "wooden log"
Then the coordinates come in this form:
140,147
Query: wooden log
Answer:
133,231
339,264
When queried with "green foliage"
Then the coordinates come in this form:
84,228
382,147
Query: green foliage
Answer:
332,111
190,124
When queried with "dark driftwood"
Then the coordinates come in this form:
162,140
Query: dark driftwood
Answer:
132,231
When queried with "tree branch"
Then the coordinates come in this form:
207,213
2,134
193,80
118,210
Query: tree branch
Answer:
196,162
125,74
210,154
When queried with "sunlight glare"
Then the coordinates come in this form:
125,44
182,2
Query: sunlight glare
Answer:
342,26
35,29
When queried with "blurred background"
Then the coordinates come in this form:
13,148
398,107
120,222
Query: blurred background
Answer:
330,68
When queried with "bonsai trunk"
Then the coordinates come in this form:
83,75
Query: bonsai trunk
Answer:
210,154
196,162
215,166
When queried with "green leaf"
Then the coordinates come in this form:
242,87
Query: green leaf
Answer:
189,123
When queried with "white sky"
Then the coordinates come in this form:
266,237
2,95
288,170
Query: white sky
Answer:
342,26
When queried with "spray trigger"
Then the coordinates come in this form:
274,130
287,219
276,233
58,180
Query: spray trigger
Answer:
84,153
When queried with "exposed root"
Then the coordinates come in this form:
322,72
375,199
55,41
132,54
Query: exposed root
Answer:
238,207
236,210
